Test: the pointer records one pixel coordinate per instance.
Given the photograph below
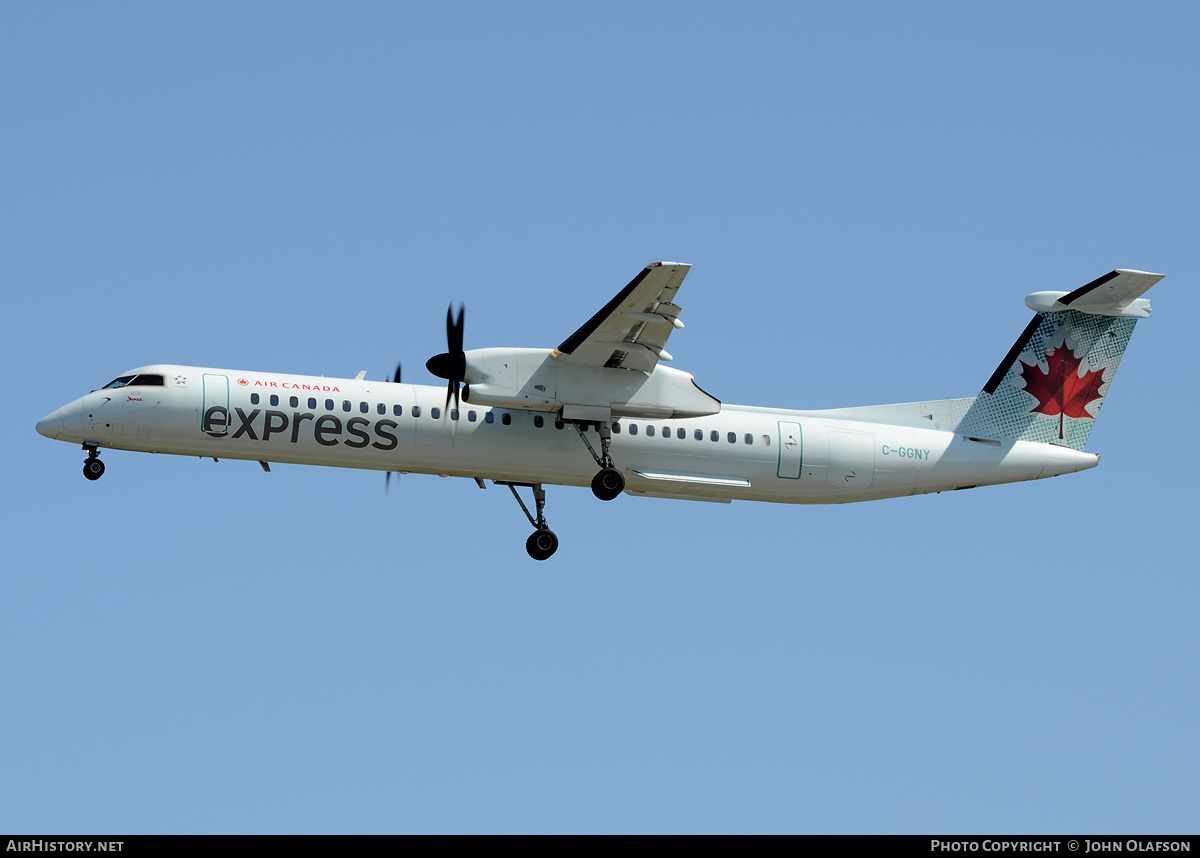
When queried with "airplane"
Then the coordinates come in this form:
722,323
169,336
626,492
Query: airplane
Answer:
603,409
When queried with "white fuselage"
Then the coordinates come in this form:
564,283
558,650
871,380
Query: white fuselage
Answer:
739,453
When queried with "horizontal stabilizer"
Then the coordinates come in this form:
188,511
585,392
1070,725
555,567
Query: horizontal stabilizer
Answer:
1117,294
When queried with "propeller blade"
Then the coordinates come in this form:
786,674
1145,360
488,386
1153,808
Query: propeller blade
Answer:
396,380
451,391
454,329
452,363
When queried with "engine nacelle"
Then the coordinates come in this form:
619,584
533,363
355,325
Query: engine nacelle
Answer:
535,380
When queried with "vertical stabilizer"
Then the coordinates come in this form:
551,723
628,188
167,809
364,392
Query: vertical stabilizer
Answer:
1052,383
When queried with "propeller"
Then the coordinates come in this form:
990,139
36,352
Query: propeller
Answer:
452,363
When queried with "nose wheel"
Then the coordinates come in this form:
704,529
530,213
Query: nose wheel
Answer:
93,468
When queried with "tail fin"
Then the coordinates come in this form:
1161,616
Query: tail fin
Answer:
1050,386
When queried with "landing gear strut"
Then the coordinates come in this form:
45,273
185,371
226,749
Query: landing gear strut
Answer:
93,468
608,482
542,542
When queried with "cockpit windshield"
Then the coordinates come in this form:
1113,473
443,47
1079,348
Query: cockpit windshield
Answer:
143,380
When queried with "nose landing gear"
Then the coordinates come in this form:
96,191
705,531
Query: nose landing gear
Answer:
93,468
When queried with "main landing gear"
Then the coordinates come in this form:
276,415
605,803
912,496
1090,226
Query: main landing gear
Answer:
542,542
93,468
608,482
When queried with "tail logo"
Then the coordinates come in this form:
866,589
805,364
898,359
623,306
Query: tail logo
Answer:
1060,389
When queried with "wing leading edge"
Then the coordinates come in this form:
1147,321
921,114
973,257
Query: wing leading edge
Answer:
631,330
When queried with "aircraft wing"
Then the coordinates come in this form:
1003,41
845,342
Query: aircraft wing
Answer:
630,331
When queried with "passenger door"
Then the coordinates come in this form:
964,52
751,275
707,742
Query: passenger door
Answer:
214,410
791,450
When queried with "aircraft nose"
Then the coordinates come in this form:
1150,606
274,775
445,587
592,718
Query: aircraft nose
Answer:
52,423
63,423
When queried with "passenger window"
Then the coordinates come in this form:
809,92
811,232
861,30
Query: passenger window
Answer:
632,428
312,403
749,438
328,404
453,413
435,413
766,440
254,399
346,406
506,418
294,402
363,407
699,435
732,438
274,399
537,421
416,411
489,417
381,408
680,433
666,431
398,410
470,416
616,428
649,431
714,435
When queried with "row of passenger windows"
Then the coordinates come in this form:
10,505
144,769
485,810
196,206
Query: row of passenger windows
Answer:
697,434
380,408
538,420
680,432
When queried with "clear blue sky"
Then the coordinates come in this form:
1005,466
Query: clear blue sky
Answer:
867,193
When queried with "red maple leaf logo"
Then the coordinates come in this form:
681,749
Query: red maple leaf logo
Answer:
1061,390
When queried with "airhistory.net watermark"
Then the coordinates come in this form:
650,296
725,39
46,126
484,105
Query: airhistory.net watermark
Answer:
40,845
